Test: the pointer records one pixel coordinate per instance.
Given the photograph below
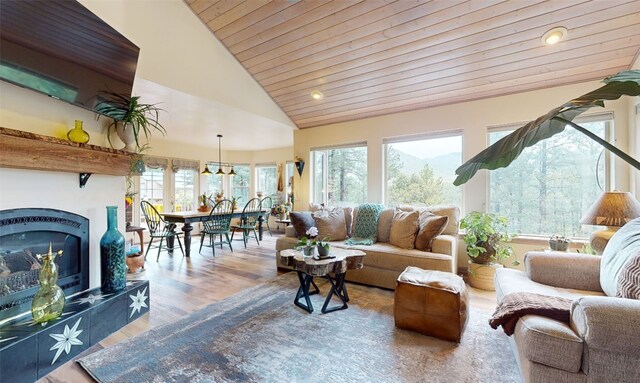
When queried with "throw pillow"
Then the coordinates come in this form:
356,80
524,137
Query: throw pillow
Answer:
430,226
404,228
384,225
451,212
629,279
619,250
333,226
301,222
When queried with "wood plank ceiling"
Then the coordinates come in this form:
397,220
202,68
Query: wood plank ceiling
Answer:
376,57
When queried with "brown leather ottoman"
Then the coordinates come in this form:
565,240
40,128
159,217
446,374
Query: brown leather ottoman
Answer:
431,302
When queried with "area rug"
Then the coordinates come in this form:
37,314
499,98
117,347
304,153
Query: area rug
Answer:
259,335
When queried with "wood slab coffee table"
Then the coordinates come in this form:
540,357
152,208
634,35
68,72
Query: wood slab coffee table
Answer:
308,267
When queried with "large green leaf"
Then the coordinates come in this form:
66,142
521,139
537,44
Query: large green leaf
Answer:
507,149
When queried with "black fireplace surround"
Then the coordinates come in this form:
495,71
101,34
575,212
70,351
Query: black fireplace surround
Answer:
27,232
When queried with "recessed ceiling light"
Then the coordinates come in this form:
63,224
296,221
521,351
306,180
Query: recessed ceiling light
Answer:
554,36
317,95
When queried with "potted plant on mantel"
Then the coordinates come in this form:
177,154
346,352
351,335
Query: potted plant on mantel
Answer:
486,239
130,118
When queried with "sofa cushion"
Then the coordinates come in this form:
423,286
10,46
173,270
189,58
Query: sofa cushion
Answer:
629,279
404,228
301,222
624,244
384,225
430,226
332,225
452,212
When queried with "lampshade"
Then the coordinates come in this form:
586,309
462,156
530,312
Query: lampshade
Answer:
232,172
612,209
206,170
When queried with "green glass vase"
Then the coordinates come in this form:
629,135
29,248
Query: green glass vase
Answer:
113,266
48,302
78,134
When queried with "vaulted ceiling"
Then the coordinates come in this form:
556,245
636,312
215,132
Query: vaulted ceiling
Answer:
377,57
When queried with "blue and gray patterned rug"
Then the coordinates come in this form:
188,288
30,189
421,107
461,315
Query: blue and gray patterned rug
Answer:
258,335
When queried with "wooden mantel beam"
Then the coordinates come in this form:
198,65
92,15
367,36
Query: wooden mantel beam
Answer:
24,150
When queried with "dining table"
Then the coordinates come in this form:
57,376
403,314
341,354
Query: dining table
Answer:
188,218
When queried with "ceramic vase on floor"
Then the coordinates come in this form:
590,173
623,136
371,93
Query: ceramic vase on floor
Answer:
48,302
112,255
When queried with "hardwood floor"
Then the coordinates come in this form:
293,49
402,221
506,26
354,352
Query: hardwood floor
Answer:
180,286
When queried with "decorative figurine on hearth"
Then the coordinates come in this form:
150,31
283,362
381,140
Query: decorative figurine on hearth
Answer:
48,302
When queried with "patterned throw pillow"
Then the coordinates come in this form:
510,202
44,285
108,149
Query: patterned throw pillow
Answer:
629,279
404,228
431,225
301,221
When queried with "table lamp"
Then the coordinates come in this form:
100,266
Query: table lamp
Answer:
613,210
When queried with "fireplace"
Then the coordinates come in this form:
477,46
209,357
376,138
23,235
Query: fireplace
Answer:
27,232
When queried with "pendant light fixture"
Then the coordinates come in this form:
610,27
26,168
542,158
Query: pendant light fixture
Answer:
220,172
206,170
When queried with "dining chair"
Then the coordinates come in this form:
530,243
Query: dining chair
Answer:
266,204
158,228
218,223
248,220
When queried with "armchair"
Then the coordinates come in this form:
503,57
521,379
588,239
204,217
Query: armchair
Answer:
602,342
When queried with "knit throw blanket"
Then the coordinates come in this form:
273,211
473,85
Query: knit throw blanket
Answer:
366,227
516,305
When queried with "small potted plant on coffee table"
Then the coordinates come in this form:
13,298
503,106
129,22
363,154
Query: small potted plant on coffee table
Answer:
486,239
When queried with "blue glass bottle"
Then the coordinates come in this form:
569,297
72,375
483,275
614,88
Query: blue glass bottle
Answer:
112,257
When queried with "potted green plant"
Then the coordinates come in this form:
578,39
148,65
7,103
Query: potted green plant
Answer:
204,202
486,237
130,118
487,242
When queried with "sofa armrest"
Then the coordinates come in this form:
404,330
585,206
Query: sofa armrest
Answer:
566,270
607,323
609,328
445,244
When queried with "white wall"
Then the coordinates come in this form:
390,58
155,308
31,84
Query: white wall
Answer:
472,118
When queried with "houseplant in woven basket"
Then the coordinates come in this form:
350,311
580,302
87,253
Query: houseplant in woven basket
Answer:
487,243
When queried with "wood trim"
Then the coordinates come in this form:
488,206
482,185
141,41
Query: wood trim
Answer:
25,150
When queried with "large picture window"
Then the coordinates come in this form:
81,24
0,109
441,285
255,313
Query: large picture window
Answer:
420,171
240,183
548,188
267,179
340,175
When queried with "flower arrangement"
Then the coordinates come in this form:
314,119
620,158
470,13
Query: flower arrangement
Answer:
309,242
283,209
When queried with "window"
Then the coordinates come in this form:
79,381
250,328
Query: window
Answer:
214,185
421,171
267,179
550,186
185,190
152,189
340,175
240,183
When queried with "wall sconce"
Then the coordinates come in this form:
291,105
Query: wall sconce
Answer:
299,165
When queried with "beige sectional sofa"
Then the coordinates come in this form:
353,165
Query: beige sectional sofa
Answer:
602,341
384,262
